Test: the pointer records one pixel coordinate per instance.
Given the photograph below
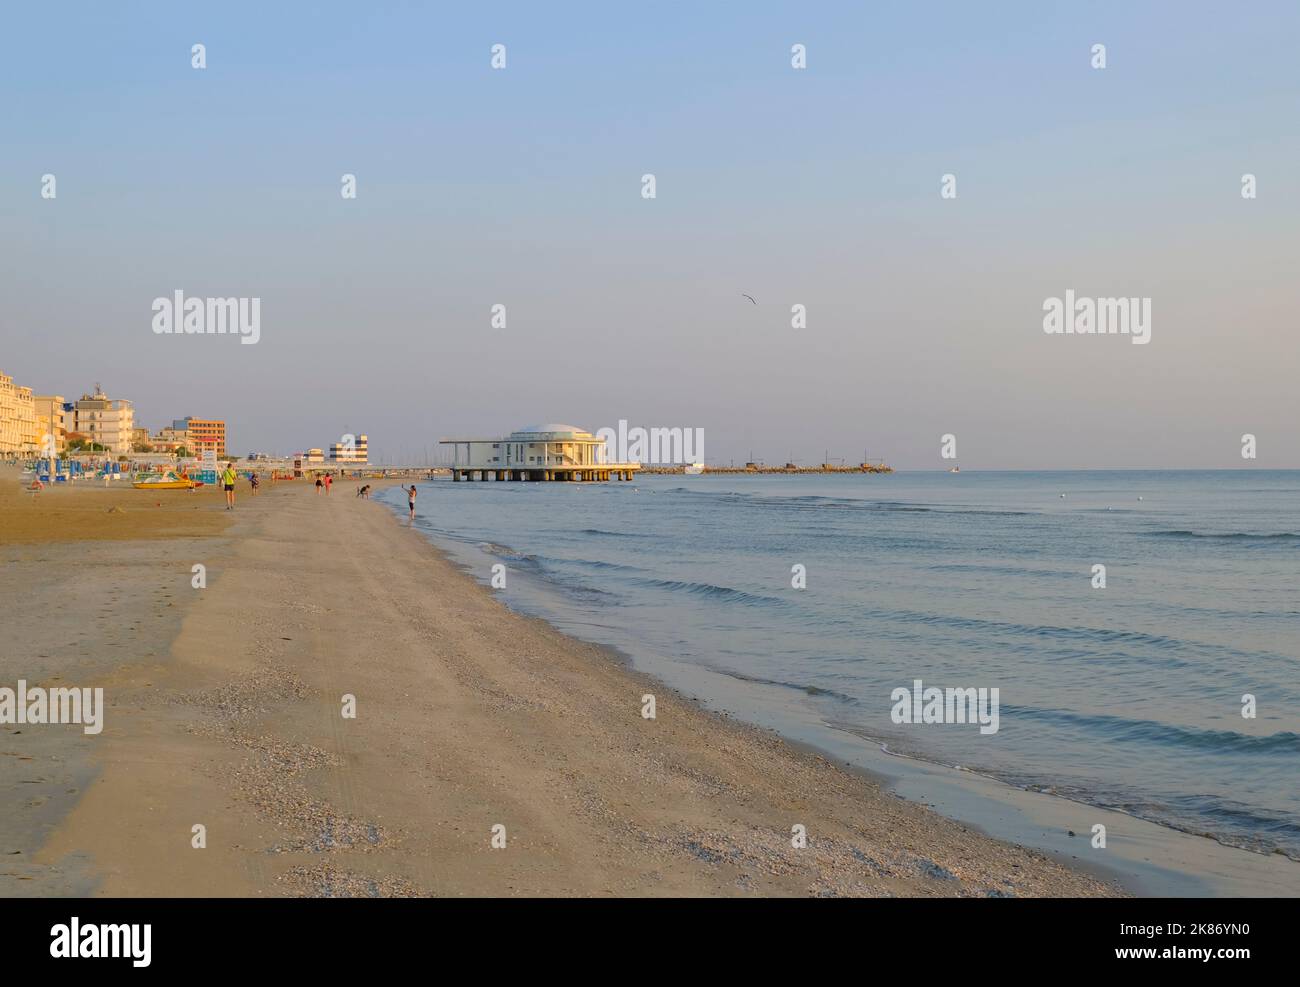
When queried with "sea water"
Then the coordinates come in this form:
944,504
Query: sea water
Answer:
1128,696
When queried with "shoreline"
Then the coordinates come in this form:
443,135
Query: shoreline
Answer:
1145,857
468,716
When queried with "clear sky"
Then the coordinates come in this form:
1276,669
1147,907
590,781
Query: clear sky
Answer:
522,187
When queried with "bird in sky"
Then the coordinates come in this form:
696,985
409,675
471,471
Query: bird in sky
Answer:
750,297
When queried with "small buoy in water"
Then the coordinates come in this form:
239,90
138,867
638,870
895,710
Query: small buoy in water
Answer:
1139,498
1063,496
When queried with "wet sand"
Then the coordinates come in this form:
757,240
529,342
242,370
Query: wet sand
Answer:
225,711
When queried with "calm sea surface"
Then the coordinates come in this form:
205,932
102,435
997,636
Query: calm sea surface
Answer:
1128,697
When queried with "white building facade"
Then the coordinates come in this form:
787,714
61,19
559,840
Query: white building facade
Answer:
108,422
537,452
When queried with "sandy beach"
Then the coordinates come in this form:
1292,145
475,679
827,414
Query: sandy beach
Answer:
225,710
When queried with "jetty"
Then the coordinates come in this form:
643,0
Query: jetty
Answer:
787,468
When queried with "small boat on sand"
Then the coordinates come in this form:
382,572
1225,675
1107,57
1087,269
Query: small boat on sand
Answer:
167,480
693,469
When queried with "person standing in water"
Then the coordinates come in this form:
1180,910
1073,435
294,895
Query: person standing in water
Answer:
410,500
228,482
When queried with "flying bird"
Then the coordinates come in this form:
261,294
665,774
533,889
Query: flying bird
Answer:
750,297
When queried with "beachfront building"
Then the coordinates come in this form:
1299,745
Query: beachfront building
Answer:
168,441
355,452
174,437
18,430
103,420
201,434
537,452
51,421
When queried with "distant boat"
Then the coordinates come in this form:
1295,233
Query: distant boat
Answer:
955,469
694,469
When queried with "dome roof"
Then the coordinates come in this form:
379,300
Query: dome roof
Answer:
551,428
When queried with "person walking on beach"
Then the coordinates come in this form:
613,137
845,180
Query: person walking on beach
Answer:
320,485
228,482
329,481
254,482
410,500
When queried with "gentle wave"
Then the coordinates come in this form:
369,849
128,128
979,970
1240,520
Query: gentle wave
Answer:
506,552
600,532
1119,729
544,567
804,687
990,569
1283,536
806,501
725,594
1081,634
1229,822
591,564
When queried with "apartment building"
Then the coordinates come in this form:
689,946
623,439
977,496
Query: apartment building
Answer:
51,421
101,419
201,434
18,431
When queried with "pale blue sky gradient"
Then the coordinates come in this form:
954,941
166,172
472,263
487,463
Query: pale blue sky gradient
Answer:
522,187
